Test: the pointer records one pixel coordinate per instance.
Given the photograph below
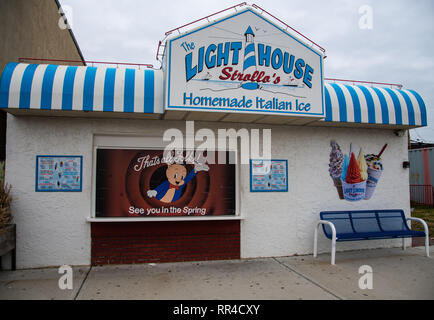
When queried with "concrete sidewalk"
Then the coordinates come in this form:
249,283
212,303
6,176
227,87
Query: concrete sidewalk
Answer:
397,274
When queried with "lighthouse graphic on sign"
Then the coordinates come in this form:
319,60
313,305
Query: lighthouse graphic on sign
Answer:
250,74
249,64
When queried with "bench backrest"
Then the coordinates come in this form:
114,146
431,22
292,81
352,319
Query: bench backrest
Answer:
365,221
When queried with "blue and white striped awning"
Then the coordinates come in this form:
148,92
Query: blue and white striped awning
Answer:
79,88
373,105
120,91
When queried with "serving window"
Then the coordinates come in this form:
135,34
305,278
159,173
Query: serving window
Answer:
149,183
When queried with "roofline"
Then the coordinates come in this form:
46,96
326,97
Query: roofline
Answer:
44,60
253,8
398,85
72,36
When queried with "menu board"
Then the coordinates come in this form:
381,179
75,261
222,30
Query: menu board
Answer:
58,173
268,175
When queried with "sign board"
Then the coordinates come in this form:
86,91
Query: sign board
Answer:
145,183
244,63
268,175
58,173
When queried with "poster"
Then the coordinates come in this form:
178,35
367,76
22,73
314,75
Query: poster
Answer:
268,175
145,183
58,173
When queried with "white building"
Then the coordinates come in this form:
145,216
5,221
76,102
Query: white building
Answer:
85,150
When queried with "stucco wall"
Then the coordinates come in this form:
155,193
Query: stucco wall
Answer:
52,227
283,224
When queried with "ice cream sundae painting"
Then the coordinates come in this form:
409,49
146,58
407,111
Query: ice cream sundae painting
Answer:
355,178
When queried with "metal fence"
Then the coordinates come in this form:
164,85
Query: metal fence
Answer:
422,194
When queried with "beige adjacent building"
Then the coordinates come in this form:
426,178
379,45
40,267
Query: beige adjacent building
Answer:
30,29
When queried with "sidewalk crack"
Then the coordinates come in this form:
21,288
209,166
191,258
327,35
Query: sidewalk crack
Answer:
308,279
82,283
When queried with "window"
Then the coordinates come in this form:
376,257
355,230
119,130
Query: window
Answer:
147,183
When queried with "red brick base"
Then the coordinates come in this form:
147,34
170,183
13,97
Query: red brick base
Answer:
420,241
144,242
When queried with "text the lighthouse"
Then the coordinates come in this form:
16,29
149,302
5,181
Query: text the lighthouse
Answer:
246,61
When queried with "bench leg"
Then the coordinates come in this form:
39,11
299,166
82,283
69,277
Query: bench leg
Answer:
333,250
403,243
425,227
315,240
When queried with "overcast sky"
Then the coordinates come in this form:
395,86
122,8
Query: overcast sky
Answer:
398,48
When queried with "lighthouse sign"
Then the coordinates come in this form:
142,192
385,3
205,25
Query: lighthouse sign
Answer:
244,63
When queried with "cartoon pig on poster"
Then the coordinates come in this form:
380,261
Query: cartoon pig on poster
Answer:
177,178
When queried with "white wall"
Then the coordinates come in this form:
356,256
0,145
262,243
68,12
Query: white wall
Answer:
52,227
281,224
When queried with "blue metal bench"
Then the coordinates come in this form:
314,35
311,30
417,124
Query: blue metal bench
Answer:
367,225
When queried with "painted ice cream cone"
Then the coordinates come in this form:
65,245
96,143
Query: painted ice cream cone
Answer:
353,172
345,167
338,184
362,165
375,168
354,187
335,167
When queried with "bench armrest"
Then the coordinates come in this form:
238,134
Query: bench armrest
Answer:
425,227
330,224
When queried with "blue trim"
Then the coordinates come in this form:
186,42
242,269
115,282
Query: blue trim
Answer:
328,105
58,190
26,86
89,88
129,90
356,104
370,104
397,106
383,104
109,89
68,88
47,87
410,108
5,84
322,89
422,107
270,160
149,92
342,103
